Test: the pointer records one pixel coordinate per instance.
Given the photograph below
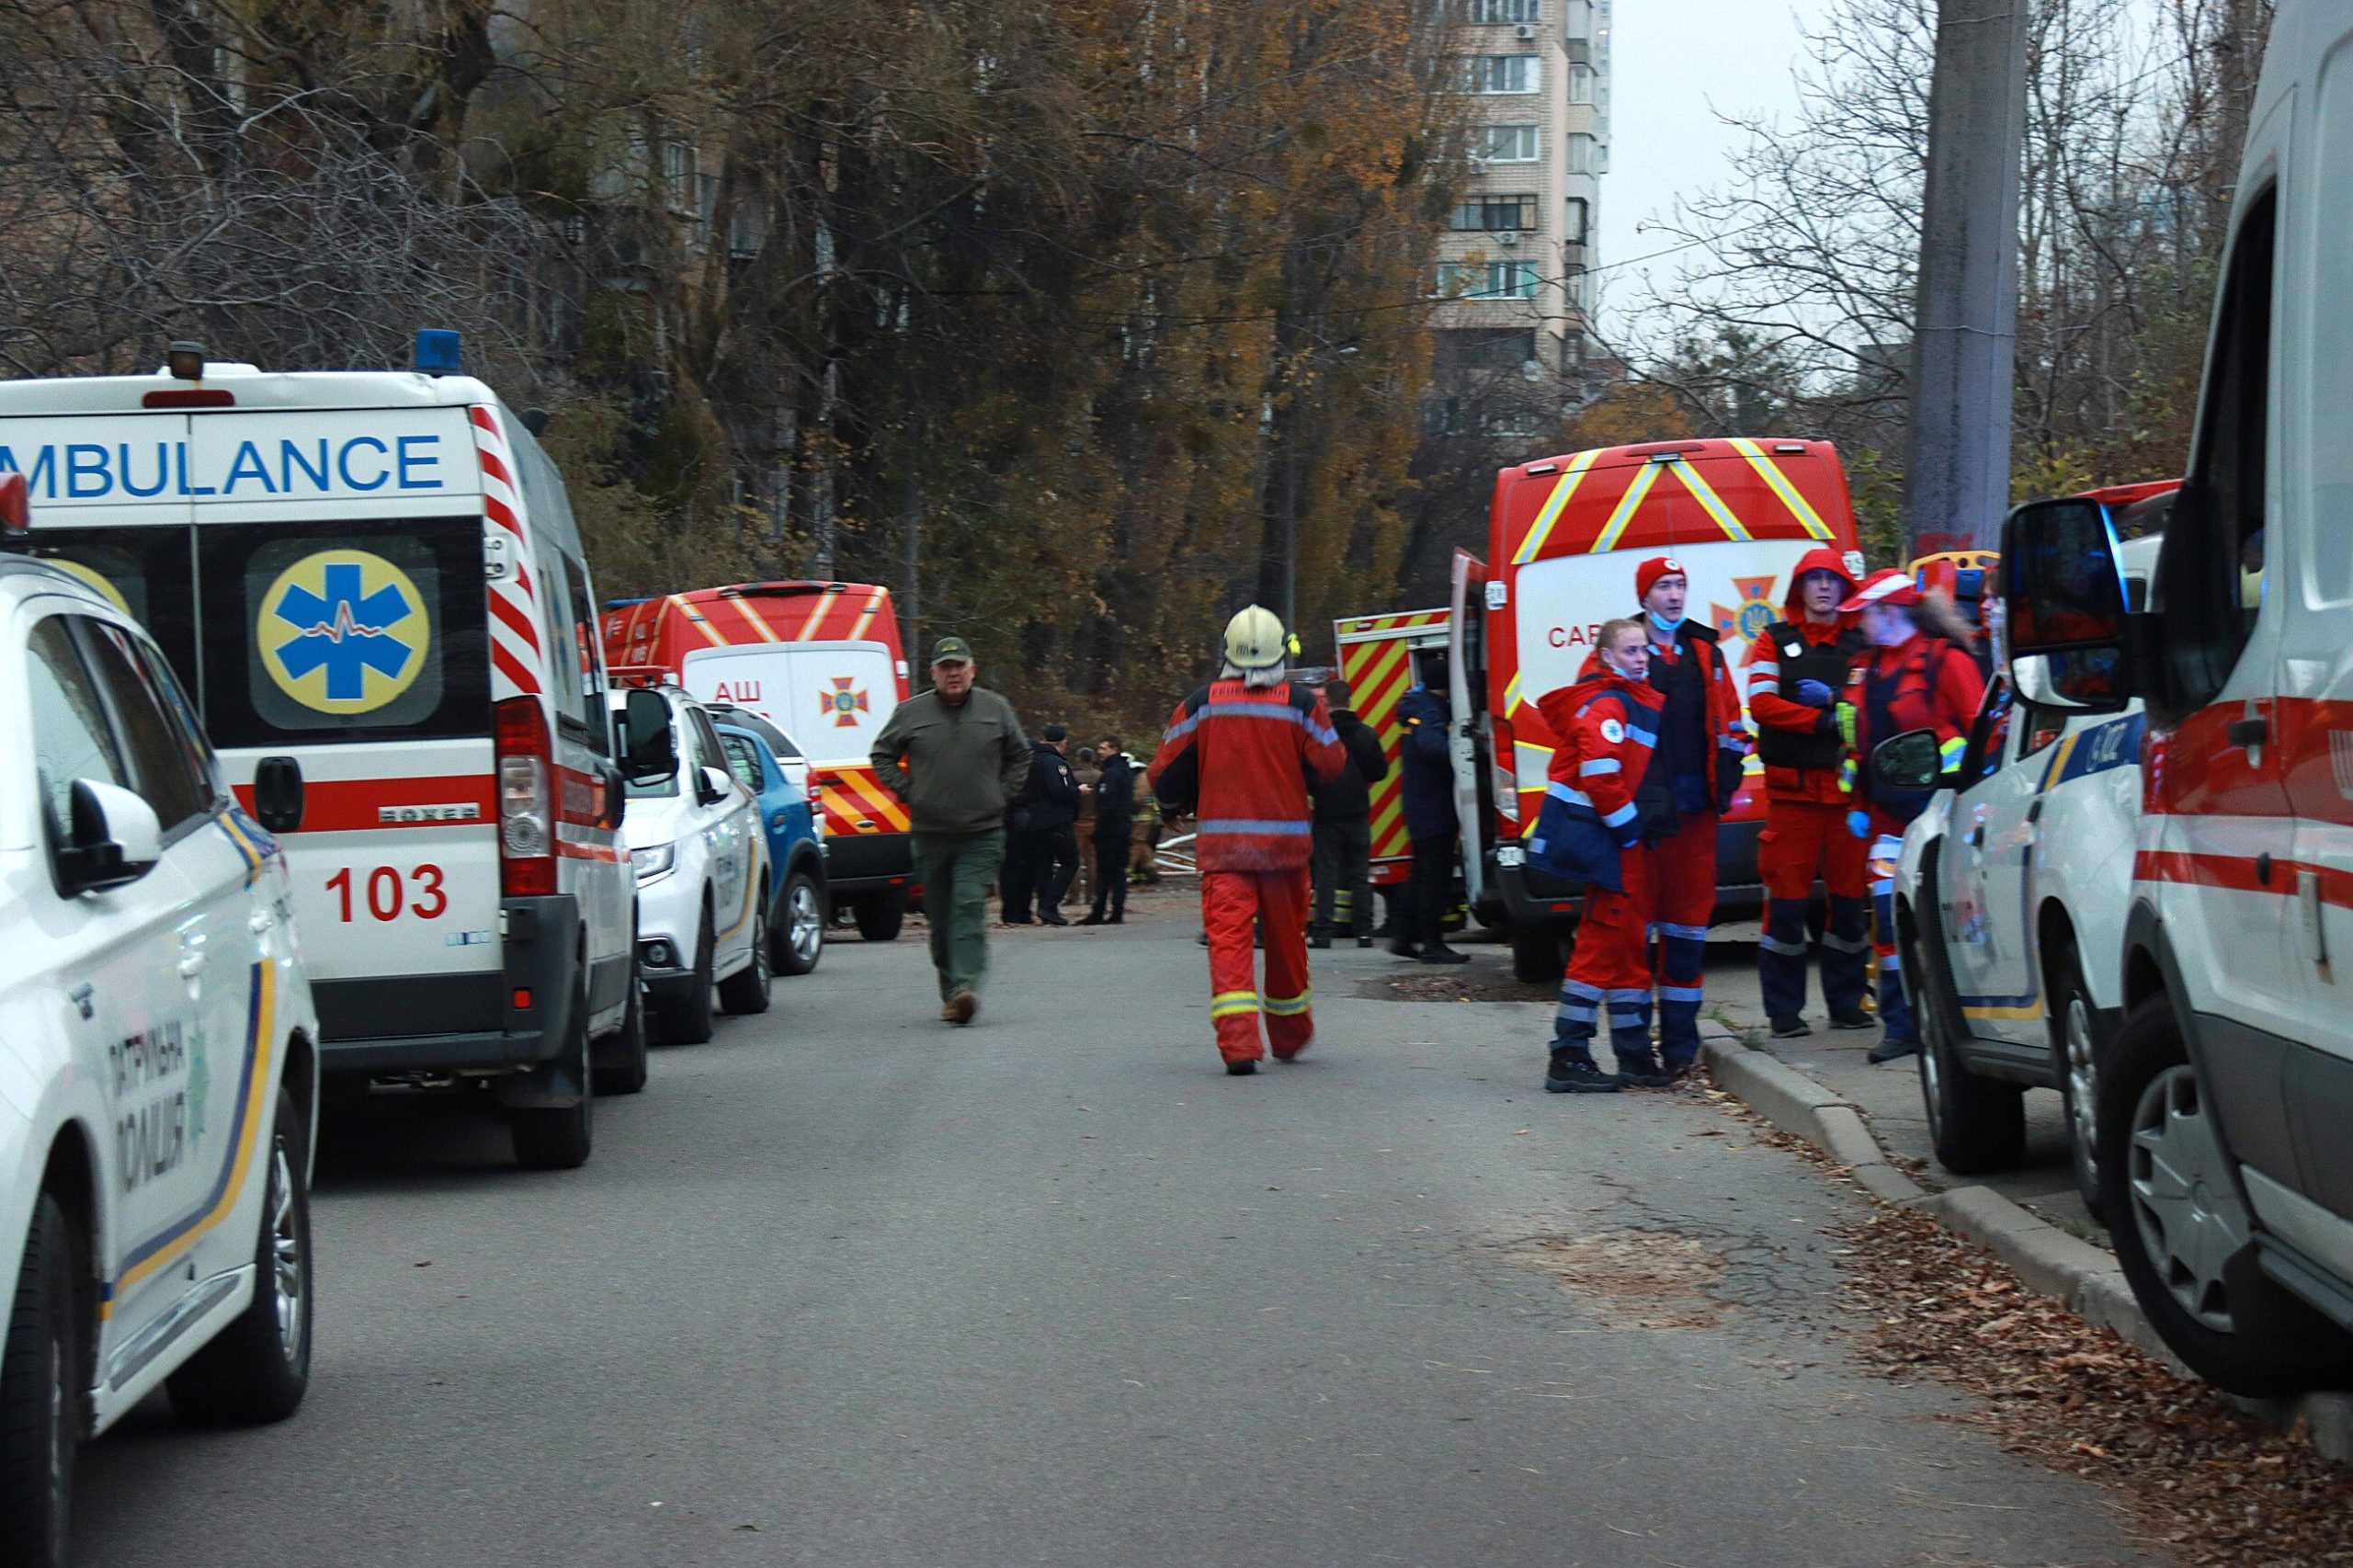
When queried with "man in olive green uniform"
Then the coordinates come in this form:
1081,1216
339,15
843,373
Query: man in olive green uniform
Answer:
955,755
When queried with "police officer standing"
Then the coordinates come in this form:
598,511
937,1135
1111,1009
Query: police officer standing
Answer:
1115,820
1344,822
1797,672
1426,761
1042,852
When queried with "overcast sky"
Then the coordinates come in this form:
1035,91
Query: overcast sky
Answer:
1674,66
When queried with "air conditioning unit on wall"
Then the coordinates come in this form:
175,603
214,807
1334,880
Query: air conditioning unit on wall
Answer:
1507,237
1525,32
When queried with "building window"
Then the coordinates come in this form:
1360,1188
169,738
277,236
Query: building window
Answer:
1584,154
1489,280
680,184
1485,348
1484,13
1580,214
1490,213
1502,72
1456,279
1512,144
1581,81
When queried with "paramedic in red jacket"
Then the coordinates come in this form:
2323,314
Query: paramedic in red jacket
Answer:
1797,672
1243,751
1599,796
1703,745
1918,675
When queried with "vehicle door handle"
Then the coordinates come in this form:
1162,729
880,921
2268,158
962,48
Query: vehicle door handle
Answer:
191,964
2249,733
2034,812
278,794
260,922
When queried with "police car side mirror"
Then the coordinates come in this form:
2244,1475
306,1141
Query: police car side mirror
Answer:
1913,760
712,785
649,751
2066,612
113,838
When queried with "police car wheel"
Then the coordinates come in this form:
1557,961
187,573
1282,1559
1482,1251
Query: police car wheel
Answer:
1976,1125
618,1060
558,1138
800,942
41,1401
2182,1235
686,1015
746,990
2074,1037
257,1369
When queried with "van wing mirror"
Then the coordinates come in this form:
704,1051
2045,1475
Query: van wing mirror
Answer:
649,751
113,838
1913,760
2065,613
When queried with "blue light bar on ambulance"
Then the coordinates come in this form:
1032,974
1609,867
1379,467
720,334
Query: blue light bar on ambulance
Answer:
437,351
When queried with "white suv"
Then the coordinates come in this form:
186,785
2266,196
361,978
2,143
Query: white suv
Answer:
158,1066
703,879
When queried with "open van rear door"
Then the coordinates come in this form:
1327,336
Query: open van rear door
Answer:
1466,682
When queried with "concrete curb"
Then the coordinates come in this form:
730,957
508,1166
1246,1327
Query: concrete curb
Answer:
2047,1258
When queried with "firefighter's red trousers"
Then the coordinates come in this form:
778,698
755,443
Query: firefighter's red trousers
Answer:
1277,903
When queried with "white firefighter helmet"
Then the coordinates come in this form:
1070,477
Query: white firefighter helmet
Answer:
1254,640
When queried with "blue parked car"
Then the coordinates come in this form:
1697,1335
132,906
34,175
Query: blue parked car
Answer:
772,768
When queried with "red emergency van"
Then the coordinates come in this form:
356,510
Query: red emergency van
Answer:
822,662
1563,536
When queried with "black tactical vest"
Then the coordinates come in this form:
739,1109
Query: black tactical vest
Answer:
1828,663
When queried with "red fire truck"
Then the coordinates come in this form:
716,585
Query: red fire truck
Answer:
822,662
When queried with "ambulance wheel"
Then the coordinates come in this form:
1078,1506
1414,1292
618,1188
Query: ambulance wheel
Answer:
257,1369
1975,1124
558,1138
685,1017
1536,957
2181,1231
800,942
880,916
40,1394
617,1062
746,990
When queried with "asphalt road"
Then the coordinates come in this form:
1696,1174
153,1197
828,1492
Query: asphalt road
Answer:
847,1286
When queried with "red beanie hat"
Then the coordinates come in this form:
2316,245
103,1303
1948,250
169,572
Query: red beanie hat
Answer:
1647,575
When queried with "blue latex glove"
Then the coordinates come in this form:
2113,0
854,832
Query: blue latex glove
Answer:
1629,838
1816,694
1859,824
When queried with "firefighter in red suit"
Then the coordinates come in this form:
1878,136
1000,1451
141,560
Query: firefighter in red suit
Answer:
1599,800
1797,672
1703,745
1919,674
1243,751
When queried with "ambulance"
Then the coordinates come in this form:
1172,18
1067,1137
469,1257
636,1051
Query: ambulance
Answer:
372,585
1381,658
1564,537
822,662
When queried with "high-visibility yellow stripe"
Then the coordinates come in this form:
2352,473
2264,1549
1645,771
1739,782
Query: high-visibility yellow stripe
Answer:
1226,1004
1291,1007
1382,666
695,619
866,618
759,622
1778,483
1628,505
1554,503
1709,502
1387,817
822,602
2007,1015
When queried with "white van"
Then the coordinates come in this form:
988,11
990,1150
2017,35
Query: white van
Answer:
372,584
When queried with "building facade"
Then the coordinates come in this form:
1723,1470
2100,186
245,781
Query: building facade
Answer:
1515,271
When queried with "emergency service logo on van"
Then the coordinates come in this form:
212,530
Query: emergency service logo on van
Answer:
845,702
1749,618
343,631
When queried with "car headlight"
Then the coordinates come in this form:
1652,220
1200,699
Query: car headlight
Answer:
654,862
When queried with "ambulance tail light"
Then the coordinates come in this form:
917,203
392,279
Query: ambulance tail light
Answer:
526,800
1503,767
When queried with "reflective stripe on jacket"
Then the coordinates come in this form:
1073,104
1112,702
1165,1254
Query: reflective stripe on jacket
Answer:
1242,757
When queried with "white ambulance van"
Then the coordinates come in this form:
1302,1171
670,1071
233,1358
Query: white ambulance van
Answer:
2224,1167
372,584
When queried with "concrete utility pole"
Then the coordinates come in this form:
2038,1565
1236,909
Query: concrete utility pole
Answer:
1957,478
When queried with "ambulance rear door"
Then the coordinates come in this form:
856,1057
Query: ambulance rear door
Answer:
343,629
1465,680
1375,660
831,698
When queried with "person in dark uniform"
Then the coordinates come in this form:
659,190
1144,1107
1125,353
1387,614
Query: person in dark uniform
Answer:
1344,824
1426,775
1043,841
1115,825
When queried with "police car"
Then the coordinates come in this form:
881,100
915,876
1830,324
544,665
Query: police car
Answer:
2011,891
701,862
372,586
158,1059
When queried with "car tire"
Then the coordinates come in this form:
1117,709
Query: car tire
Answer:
41,1394
618,1062
1975,1124
1536,953
2075,1042
687,1018
2181,1230
799,941
746,990
257,1369
880,916
558,1138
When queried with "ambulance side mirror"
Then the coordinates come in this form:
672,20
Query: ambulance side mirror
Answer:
1913,760
2066,615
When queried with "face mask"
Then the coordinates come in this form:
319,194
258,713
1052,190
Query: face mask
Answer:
1618,661
1667,628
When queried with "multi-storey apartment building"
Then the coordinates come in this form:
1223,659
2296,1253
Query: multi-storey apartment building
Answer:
1514,266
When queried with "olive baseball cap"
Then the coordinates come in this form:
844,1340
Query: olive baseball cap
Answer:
951,651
